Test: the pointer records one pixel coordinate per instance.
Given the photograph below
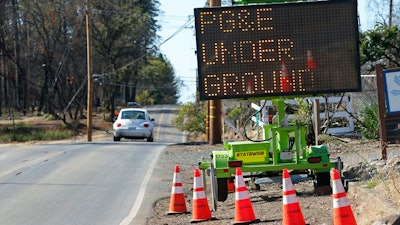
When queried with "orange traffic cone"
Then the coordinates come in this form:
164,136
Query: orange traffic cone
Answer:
292,214
201,211
177,202
311,63
243,209
342,212
285,79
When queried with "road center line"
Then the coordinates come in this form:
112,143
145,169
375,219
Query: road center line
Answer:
158,129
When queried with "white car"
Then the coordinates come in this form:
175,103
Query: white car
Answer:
133,123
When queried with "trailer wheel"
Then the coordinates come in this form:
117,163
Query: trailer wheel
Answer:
222,189
322,185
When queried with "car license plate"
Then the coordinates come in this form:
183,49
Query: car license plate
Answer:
131,128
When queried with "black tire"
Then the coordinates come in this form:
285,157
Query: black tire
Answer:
117,138
150,139
322,185
323,179
222,191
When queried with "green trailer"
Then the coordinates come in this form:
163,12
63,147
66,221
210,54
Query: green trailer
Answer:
284,147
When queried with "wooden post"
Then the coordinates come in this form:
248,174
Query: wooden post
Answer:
89,74
208,120
215,122
215,117
381,109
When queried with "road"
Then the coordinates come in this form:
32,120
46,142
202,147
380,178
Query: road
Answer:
86,183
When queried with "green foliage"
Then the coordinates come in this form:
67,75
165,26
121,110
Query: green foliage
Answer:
145,98
302,113
377,44
158,78
236,114
372,183
370,121
191,117
50,117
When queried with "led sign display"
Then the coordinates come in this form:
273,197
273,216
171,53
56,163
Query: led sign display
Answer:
277,49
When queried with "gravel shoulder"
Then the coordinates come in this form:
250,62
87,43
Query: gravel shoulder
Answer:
371,198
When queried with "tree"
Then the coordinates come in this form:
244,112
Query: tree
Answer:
383,11
43,54
124,34
380,45
191,117
158,77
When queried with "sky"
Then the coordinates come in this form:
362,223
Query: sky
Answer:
179,41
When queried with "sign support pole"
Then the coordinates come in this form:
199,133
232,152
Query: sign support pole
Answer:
215,117
381,109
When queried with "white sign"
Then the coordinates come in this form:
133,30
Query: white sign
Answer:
392,89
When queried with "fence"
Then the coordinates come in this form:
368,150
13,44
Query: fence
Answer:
343,118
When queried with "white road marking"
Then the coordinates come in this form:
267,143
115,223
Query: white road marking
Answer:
136,206
158,129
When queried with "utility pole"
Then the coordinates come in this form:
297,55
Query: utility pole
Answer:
215,106
89,74
390,12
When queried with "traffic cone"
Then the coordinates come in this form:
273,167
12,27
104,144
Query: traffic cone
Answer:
311,63
244,213
292,214
200,208
342,212
285,79
177,202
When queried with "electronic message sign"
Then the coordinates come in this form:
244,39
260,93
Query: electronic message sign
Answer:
277,49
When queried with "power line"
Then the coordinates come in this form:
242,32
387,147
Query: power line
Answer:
136,86
190,20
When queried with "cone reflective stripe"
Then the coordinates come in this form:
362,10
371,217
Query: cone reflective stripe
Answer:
177,187
198,193
292,214
243,209
285,79
289,197
177,202
200,208
342,212
240,187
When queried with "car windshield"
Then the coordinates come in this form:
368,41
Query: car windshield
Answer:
133,115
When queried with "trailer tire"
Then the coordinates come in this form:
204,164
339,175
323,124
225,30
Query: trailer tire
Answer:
322,185
222,184
323,179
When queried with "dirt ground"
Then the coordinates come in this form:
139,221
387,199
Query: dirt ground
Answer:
101,127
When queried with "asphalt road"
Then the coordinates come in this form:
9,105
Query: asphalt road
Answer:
86,183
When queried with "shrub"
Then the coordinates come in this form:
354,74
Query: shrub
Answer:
191,117
370,121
